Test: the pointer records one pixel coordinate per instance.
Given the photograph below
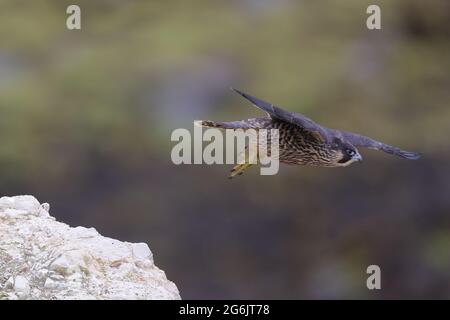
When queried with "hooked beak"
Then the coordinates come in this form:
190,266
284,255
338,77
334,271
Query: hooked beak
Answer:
357,157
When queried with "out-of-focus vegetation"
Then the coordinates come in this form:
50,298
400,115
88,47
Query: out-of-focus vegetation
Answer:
86,117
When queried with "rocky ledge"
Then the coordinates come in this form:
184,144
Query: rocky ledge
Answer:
41,258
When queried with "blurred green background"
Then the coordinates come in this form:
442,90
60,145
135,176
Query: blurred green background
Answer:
86,118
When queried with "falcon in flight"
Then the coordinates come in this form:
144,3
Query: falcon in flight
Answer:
304,142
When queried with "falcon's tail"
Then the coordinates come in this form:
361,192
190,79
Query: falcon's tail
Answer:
222,125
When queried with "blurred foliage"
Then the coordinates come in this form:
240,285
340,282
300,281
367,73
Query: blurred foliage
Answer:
86,118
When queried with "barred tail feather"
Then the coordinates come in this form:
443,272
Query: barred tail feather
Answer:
222,125
208,124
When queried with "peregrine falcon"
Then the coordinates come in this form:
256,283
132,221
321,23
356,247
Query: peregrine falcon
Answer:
304,142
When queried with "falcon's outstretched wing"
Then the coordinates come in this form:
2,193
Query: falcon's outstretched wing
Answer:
366,142
294,118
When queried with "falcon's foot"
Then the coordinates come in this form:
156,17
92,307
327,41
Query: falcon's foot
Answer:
239,169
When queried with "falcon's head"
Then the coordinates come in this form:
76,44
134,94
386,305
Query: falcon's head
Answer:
346,153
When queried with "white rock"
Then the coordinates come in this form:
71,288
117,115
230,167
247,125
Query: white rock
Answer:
56,261
51,284
82,232
9,283
46,206
14,213
21,285
28,204
44,210
141,251
68,263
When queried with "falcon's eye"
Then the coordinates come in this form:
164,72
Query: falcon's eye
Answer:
350,152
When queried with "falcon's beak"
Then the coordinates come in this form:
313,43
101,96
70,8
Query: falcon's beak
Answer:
357,157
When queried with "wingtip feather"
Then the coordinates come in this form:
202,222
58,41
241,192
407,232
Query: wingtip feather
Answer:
239,92
411,155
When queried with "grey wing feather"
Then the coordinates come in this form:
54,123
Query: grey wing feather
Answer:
294,118
366,142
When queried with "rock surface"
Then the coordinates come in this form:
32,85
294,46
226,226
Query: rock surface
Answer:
41,258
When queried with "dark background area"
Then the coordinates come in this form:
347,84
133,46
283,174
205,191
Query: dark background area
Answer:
86,118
